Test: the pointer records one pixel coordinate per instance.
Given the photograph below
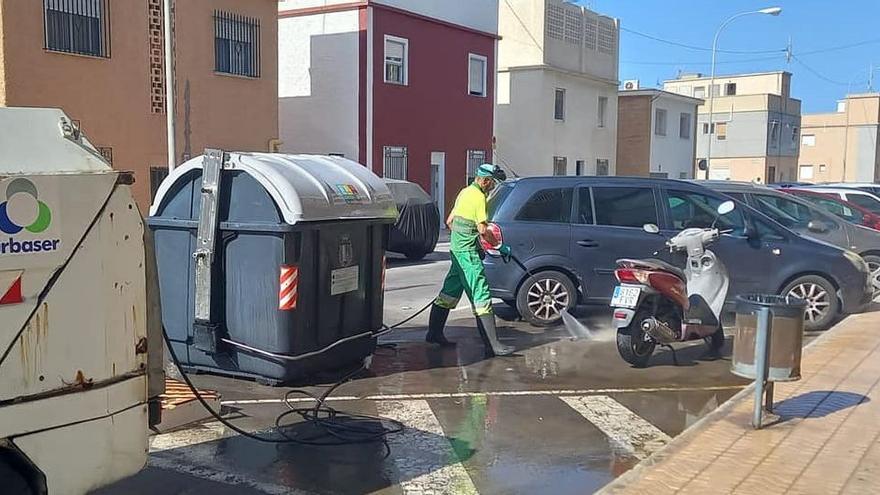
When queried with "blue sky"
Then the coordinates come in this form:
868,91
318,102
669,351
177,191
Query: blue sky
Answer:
811,24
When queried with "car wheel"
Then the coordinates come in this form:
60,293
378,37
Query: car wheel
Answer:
873,262
543,296
821,297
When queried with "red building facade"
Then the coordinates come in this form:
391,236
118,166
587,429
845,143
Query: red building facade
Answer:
426,90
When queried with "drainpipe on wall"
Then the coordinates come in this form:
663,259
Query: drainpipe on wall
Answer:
170,105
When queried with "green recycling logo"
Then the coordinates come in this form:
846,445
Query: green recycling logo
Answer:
23,209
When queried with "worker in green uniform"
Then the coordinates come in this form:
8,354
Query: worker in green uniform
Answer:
469,222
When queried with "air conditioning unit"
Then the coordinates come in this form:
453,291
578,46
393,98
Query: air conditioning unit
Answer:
631,85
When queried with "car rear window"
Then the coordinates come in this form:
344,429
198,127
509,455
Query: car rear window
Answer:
497,198
836,207
865,201
547,205
785,211
625,206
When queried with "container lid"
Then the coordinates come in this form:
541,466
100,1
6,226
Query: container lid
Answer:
305,188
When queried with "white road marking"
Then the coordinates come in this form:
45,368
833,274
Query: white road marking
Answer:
212,472
202,433
425,460
628,433
501,393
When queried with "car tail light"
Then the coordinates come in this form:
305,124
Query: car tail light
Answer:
631,276
496,231
872,221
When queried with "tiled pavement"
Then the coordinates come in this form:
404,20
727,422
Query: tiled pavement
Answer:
825,440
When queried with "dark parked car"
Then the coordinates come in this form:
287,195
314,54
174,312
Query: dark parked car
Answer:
569,232
805,218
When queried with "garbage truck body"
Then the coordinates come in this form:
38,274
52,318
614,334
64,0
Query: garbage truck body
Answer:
77,333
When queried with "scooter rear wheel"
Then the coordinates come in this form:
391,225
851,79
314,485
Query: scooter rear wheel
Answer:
631,343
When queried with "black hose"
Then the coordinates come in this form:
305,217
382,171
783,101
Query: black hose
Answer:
335,428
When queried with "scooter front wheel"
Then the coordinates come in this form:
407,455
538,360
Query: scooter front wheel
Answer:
632,345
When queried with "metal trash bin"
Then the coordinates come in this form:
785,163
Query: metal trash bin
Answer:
786,336
291,252
768,344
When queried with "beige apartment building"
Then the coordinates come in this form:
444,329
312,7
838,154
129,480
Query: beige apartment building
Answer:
102,62
755,127
843,145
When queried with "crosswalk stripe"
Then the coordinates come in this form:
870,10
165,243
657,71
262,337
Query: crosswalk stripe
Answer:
425,460
628,433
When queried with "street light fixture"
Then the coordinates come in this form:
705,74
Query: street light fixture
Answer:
774,11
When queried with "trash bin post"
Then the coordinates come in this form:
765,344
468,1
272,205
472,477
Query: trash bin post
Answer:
761,356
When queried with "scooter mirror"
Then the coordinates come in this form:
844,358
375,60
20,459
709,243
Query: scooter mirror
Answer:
651,228
726,207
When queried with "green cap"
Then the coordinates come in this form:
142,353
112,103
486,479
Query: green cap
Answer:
487,170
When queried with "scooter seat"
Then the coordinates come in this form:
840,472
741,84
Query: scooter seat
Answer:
654,264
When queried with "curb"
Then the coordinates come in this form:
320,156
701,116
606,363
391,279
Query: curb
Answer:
623,481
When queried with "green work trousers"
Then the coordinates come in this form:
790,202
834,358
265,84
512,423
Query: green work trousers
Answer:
466,275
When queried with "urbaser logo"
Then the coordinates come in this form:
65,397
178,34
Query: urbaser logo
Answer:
23,212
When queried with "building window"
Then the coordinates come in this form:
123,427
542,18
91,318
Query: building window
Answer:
106,153
808,140
560,165
823,168
396,60
394,162
603,108
806,172
706,128
795,132
579,167
660,122
730,89
684,126
475,158
77,26
700,92
602,166
236,44
477,75
157,175
683,175
774,133
720,130
559,105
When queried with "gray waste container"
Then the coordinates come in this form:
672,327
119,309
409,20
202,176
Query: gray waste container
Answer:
785,332
298,264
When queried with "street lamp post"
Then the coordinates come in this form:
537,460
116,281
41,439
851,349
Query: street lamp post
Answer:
774,11
170,106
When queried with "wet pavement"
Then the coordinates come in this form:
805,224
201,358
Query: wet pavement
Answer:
474,425
562,416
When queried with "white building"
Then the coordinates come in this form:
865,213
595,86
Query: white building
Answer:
556,109
657,134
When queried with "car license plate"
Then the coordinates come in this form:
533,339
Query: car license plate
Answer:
625,297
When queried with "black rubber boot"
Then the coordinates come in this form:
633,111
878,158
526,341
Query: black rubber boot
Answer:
486,326
436,324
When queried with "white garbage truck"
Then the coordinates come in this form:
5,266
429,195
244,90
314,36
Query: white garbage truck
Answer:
80,344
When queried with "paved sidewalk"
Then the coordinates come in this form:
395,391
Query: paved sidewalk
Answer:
825,441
